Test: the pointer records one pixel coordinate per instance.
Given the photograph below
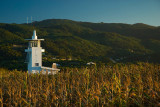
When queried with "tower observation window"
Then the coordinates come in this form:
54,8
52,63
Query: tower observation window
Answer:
33,44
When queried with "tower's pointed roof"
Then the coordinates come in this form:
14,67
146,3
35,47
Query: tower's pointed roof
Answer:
34,36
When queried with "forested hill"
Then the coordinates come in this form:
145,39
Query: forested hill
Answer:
82,41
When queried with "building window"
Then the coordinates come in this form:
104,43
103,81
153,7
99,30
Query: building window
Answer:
36,64
33,44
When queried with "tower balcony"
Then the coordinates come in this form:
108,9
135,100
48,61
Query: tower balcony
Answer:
42,50
30,49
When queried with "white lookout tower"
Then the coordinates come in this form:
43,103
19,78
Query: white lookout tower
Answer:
34,56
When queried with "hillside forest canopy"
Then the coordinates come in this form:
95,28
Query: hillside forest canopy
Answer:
80,41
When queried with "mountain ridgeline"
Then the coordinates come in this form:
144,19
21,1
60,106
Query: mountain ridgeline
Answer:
82,41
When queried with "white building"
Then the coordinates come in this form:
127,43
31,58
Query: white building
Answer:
34,56
91,63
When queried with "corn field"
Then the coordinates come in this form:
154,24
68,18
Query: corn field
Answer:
117,85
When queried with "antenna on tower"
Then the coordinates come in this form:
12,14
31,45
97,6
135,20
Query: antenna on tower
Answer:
32,22
31,19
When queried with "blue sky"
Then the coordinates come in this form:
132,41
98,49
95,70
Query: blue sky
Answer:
107,11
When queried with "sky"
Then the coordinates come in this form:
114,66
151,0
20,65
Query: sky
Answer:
107,11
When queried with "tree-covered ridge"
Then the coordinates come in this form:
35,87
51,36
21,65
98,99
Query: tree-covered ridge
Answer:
83,40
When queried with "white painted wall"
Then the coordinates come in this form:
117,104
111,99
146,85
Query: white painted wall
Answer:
36,56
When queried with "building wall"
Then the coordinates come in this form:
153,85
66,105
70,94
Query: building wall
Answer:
29,61
36,57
